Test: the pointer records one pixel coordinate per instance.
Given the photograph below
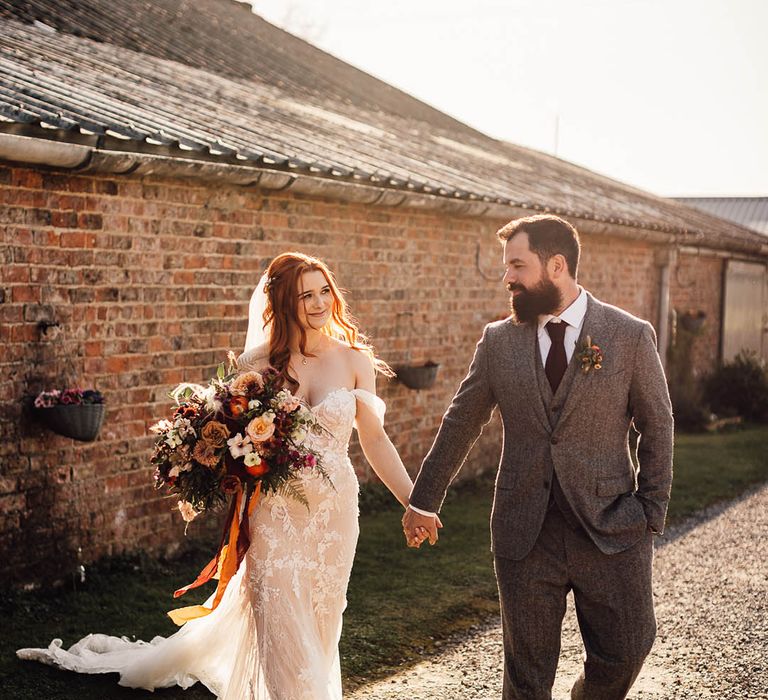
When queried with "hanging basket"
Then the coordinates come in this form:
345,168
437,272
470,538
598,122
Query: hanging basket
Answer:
692,321
76,421
417,376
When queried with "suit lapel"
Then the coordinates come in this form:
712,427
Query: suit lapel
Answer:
596,328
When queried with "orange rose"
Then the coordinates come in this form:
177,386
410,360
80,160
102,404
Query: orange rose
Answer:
238,405
255,465
258,469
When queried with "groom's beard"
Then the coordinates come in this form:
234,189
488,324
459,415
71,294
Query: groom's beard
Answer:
528,304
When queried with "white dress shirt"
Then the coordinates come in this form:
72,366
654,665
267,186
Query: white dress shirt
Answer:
574,317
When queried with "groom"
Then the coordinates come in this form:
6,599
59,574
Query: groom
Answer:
571,512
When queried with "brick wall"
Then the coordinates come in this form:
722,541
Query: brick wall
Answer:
621,272
149,281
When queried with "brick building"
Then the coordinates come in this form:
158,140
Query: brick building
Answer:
154,157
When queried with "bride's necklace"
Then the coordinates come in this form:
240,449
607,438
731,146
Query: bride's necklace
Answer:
304,358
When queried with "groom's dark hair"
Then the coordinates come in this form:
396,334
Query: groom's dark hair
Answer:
547,235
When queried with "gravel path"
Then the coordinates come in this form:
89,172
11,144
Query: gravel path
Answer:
711,588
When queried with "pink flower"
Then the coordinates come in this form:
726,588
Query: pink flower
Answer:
290,405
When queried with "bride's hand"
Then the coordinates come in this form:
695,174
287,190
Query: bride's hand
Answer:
418,527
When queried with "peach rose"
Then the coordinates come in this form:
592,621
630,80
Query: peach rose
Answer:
261,428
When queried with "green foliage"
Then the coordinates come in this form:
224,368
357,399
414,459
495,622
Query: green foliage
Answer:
293,488
739,387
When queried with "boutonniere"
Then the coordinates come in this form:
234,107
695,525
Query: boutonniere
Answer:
591,356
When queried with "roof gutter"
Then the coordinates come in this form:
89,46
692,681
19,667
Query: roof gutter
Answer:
88,158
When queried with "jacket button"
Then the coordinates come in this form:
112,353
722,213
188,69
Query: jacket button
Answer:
555,408
553,441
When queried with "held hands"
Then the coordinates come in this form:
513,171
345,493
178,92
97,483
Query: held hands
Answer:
418,527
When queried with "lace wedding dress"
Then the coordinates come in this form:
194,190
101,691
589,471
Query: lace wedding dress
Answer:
275,634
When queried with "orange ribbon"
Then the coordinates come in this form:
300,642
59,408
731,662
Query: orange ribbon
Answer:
227,560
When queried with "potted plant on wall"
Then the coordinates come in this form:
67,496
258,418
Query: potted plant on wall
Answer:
692,320
75,413
414,375
417,376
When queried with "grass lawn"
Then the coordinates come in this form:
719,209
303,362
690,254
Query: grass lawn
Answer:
712,468
386,624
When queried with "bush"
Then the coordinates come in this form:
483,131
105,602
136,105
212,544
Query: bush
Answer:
739,388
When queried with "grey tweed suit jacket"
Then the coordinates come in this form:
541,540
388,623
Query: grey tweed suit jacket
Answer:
582,433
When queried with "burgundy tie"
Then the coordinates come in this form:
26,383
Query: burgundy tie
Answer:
557,361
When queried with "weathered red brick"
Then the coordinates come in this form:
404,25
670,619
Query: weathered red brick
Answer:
64,219
25,293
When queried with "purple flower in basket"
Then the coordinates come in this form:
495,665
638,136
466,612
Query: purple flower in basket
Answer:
68,397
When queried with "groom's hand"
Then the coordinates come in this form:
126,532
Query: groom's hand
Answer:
418,527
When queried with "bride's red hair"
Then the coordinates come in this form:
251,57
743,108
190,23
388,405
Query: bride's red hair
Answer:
283,280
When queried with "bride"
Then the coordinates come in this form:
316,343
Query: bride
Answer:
275,634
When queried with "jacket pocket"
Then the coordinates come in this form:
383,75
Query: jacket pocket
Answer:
614,372
615,485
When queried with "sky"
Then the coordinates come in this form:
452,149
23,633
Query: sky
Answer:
667,95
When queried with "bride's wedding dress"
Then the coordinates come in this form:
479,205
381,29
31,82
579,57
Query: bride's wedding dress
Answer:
275,634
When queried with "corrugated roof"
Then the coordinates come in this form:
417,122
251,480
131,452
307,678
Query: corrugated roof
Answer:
751,212
211,80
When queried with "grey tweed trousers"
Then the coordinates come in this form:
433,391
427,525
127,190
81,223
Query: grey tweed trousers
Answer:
614,608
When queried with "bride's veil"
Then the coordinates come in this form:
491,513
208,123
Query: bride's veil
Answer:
258,331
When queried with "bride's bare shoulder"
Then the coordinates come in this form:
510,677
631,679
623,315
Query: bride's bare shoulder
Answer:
360,360
254,359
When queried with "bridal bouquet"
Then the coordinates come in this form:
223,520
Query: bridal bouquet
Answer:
241,432
241,435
